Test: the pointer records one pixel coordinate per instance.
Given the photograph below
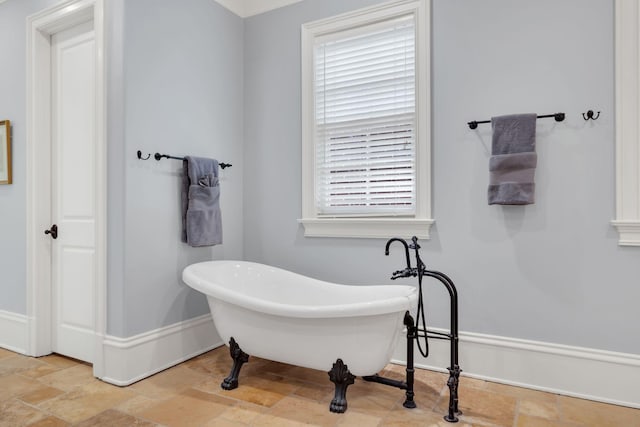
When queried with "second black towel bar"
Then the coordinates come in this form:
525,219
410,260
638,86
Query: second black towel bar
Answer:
159,156
558,116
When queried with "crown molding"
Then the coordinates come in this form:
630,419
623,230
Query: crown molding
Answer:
246,8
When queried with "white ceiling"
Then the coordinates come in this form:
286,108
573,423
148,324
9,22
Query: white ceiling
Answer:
245,8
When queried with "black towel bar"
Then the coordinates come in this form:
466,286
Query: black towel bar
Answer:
159,156
558,116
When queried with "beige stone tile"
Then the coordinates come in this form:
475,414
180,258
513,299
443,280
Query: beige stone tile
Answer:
468,382
86,401
264,389
50,422
243,413
212,385
41,394
521,392
55,391
268,420
60,361
321,393
15,385
372,398
274,383
596,414
270,382
247,393
302,374
353,418
111,417
40,371
427,392
168,383
70,378
393,371
215,363
137,404
304,411
255,365
430,385
438,380
539,408
6,353
418,418
434,380
482,407
213,369
276,367
223,422
15,413
18,363
362,387
432,421
529,421
222,349
427,386
190,408
215,354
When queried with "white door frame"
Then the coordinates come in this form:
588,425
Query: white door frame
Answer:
40,27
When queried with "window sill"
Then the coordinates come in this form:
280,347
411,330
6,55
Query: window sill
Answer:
629,232
373,228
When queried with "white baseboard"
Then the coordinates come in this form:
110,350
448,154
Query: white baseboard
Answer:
14,332
127,360
586,373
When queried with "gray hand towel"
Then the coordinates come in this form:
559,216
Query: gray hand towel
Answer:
513,161
201,217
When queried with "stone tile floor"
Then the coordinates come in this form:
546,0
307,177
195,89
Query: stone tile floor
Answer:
56,391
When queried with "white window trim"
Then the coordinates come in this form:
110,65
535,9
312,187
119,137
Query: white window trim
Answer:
370,227
627,35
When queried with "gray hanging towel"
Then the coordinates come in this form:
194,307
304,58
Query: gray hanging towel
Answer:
201,217
513,160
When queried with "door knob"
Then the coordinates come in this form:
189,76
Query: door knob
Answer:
53,231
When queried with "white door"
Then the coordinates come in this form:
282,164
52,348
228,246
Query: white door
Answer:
73,191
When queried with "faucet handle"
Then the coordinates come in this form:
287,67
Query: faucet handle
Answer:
407,272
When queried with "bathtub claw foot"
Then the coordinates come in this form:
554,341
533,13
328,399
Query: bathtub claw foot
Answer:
342,378
239,358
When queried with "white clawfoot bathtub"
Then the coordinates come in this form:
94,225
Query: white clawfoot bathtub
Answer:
286,317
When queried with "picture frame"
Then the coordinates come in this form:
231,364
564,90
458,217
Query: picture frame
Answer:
5,152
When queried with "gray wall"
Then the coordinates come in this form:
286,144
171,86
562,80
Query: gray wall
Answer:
551,271
175,86
13,228
182,94
180,83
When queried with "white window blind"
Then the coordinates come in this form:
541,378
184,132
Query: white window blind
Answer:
365,120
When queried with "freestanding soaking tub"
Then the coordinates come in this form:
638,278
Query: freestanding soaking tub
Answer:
286,317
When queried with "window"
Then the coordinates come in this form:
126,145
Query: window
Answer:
366,155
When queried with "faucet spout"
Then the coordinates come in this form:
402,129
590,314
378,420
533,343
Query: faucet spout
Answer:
406,249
